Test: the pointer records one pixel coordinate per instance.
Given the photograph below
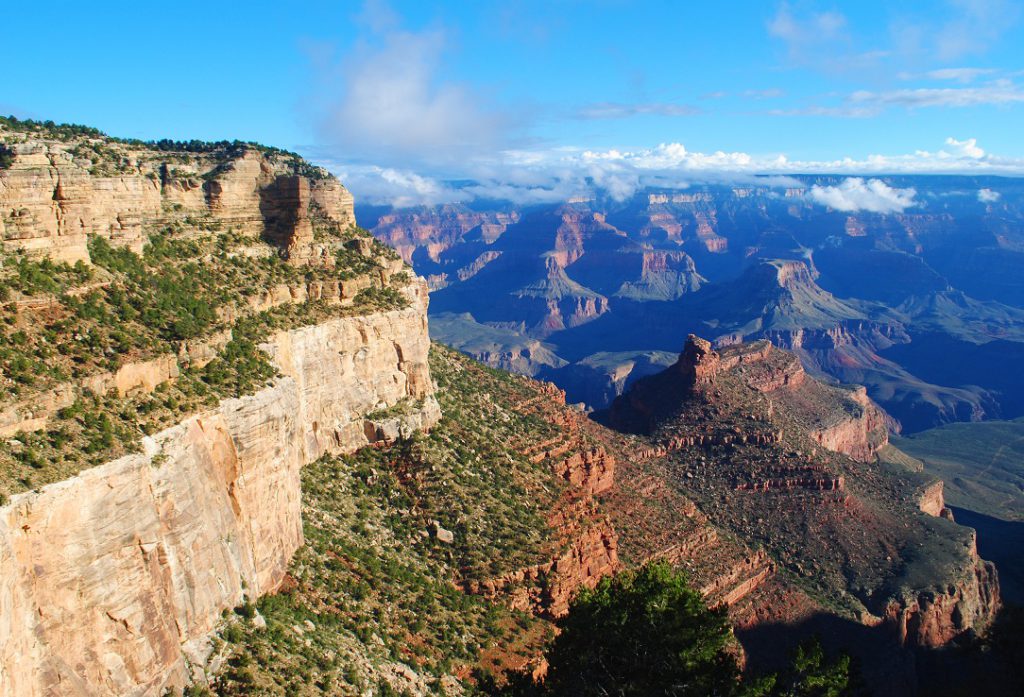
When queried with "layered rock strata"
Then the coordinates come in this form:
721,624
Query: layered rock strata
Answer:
55,194
112,581
814,483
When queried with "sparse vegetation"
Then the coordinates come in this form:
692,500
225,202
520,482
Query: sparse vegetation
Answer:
97,144
186,284
375,588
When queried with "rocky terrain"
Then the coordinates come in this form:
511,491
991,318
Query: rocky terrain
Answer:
233,462
186,327
803,471
888,300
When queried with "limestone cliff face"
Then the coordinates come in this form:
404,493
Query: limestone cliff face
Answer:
112,581
55,194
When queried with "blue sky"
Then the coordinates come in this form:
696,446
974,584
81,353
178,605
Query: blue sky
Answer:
399,96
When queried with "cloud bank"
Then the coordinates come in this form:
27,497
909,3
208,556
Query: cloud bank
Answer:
395,125
551,175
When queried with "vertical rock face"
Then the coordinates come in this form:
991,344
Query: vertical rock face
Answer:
55,194
933,501
111,582
934,618
111,578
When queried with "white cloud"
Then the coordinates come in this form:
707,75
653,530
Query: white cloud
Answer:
398,187
855,194
551,175
988,196
965,148
390,99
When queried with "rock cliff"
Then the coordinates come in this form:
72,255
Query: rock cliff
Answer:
114,579
57,192
114,575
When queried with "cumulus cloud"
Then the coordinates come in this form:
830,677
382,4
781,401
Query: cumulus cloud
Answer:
389,98
988,196
965,148
855,194
529,176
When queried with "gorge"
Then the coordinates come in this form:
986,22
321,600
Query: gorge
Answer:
234,461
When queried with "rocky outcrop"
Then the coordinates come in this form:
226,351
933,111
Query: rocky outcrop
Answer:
860,432
933,501
592,471
112,581
55,194
761,444
934,618
549,587
857,429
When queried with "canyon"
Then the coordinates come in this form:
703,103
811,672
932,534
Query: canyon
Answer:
277,482
602,283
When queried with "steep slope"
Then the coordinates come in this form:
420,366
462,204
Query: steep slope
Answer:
788,465
531,501
218,330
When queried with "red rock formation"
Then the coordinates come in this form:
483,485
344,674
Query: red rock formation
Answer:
548,588
934,618
591,471
587,541
440,229
933,502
